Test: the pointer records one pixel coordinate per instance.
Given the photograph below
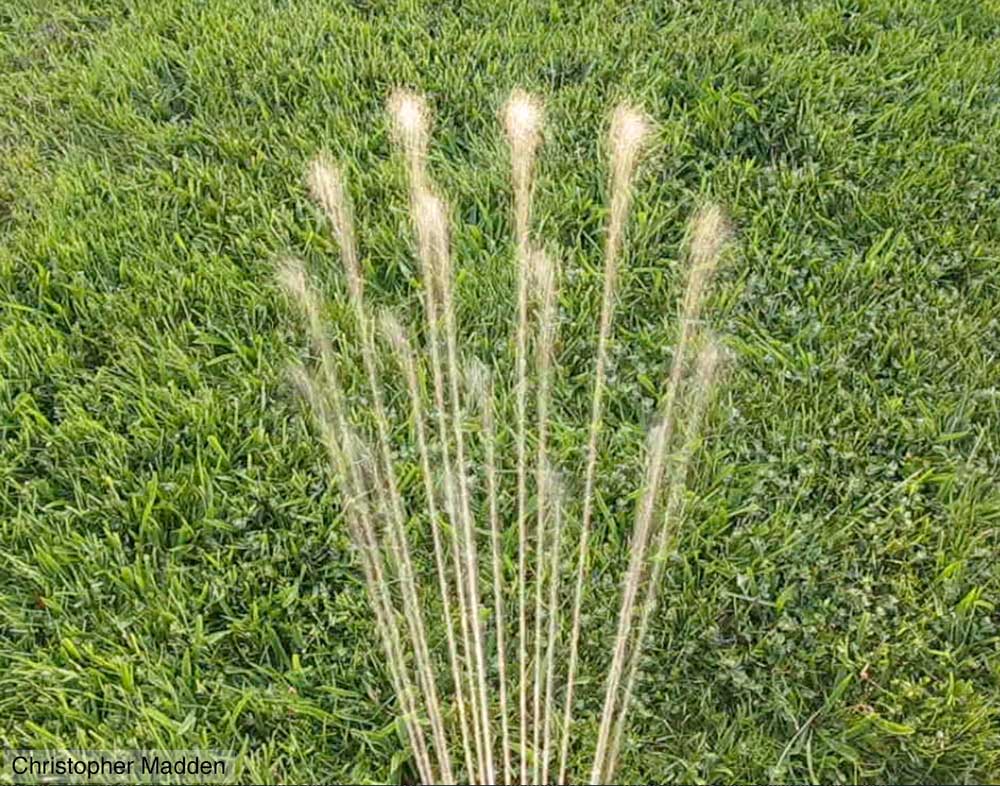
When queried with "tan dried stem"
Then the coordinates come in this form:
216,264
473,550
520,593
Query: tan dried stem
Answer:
627,138
522,121
330,414
410,123
359,520
699,395
444,274
553,608
481,388
403,349
429,221
544,274
705,251
329,190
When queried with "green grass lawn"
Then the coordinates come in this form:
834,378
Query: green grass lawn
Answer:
174,572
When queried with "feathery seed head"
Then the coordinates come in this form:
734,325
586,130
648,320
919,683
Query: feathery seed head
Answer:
326,183
409,116
522,119
477,379
292,277
713,361
543,273
327,187
709,232
392,329
629,129
430,216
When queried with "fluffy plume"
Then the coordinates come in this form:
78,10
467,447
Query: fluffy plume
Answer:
522,121
326,184
410,122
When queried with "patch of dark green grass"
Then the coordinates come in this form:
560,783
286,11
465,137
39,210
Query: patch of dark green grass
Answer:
173,569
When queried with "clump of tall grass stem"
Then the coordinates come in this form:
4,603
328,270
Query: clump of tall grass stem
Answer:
462,724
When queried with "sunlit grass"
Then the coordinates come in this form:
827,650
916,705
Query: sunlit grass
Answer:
174,569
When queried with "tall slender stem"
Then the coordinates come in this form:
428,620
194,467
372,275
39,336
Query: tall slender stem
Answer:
444,273
484,389
708,235
404,353
553,608
629,130
340,443
429,216
699,397
328,189
544,271
410,117
522,121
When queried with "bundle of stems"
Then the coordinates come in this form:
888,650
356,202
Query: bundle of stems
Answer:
501,709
